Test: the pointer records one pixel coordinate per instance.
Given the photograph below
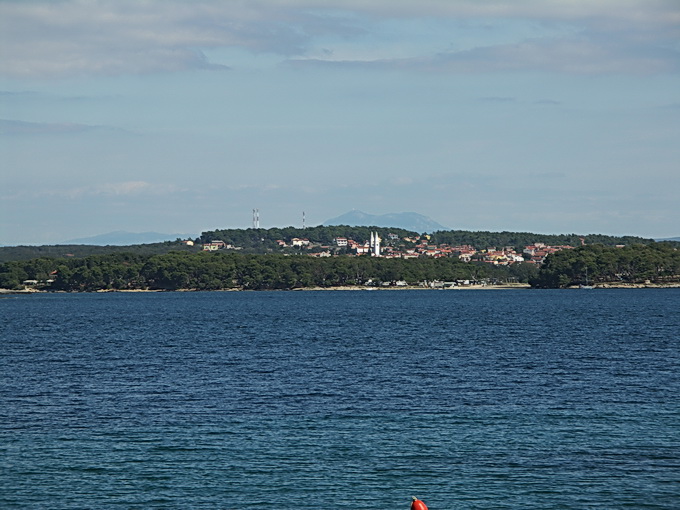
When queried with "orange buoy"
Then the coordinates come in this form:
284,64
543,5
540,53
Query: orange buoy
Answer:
417,504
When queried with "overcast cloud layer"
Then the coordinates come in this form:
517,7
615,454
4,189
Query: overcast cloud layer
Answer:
111,37
549,116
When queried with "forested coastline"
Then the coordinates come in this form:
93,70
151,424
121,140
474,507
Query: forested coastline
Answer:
259,259
657,263
597,264
221,271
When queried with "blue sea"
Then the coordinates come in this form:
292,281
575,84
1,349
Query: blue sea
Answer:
493,399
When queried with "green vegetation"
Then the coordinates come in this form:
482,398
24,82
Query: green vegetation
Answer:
656,263
215,271
258,262
8,253
519,240
260,240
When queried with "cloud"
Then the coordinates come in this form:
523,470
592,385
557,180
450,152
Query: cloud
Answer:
652,11
581,55
126,36
123,188
17,127
74,37
497,99
571,55
69,37
114,189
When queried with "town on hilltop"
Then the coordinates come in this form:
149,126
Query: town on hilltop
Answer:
344,257
408,247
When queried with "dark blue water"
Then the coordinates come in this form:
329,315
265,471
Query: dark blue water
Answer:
341,400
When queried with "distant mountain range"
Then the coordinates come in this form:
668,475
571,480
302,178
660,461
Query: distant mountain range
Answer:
676,239
406,220
123,238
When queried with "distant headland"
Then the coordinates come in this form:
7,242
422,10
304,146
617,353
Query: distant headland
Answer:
344,256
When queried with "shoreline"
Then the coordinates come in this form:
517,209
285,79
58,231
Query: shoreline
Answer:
349,288
416,287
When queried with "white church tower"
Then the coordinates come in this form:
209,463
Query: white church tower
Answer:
375,244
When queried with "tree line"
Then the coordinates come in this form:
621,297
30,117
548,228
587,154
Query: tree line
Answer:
225,270
593,264
518,240
260,240
598,264
8,253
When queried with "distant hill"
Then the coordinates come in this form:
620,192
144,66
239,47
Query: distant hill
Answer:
406,220
259,241
123,238
674,239
68,251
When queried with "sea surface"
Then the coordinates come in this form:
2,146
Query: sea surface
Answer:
495,399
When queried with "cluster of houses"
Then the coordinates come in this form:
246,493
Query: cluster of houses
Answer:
411,248
422,247
217,245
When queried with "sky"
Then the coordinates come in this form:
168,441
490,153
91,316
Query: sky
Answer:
546,116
